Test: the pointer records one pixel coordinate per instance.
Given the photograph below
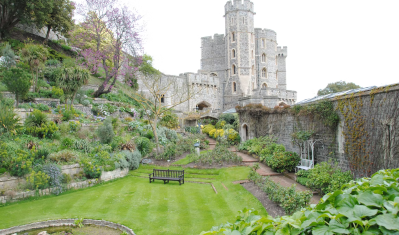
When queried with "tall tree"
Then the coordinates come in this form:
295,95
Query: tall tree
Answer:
28,12
337,87
17,81
60,19
35,55
104,21
71,80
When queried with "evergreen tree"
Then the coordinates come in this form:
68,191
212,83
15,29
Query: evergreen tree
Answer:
60,19
17,81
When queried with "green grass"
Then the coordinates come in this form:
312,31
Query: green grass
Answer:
187,160
155,208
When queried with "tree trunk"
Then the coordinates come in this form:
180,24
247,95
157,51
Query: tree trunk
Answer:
72,100
48,34
37,78
17,99
154,129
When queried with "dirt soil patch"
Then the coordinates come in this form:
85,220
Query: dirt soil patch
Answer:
271,207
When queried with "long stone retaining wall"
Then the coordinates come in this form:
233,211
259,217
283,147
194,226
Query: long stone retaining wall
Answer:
9,184
65,222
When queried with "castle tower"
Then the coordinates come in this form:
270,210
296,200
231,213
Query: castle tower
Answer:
240,49
282,71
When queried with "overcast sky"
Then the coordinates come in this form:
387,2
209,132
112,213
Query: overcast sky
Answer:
350,40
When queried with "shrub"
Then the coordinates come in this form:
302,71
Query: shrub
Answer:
220,124
74,126
8,119
233,137
365,206
55,177
43,107
68,115
220,155
326,177
91,170
65,47
170,120
2,170
266,153
106,132
283,161
36,119
86,103
17,81
45,130
64,156
192,129
56,92
82,144
288,198
229,118
168,153
133,158
207,129
144,145
21,163
38,180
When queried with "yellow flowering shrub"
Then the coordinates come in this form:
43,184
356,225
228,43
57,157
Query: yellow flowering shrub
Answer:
218,133
212,132
208,128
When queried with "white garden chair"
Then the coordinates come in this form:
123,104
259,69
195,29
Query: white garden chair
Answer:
307,155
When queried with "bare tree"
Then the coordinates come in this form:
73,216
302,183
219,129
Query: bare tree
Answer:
156,90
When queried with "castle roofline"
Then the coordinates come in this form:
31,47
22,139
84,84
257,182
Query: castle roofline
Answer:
264,29
238,5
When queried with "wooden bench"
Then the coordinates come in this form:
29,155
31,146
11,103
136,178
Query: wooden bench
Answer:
167,175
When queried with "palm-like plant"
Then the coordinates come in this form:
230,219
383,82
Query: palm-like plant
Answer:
35,55
71,80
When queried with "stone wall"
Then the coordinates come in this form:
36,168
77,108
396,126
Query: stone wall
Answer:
365,141
47,101
65,222
9,185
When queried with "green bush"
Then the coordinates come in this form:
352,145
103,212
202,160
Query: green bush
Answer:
133,158
64,156
288,198
365,206
9,121
21,163
192,129
56,92
65,47
169,152
38,180
17,81
144,145
43,131
326,177
36,119
106,132
2,170
82,145
220,155
91,170
68,115
283,161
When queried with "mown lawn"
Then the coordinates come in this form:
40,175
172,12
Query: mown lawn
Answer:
155,208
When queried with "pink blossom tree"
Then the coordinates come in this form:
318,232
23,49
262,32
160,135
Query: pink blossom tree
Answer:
109,38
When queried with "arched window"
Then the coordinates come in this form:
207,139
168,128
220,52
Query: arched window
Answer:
264,86
264,73
263,58
213,75
233,37
234,87
253,69
234,69
233,53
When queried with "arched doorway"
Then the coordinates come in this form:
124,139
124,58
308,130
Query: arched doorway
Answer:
203,105
244,132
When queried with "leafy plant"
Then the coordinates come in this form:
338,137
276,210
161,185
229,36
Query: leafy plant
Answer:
144,145
17,81
55,177
106,132
9,121
38,180
220,155
21,163
365,206
283,161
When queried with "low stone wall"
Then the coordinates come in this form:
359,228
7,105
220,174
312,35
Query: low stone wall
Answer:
71,169
65,222
100,101
9,95
47,101
9,183
84,109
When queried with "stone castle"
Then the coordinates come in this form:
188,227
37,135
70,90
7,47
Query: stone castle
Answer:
242,66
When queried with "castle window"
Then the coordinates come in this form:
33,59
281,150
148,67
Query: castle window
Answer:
263,58
234,87
213,75
264,73
233,53
264,86
233,37
161,98
263,43
234,69
232,20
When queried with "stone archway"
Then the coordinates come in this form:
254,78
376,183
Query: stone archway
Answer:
244,132
203,105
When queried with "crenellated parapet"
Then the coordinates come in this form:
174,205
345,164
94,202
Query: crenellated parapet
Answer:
266,33
282,51
239,5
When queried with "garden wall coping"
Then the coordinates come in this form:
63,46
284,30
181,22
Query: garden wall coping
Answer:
65,222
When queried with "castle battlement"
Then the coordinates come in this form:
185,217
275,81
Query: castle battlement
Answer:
266,33
282,51
216,39
247,5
